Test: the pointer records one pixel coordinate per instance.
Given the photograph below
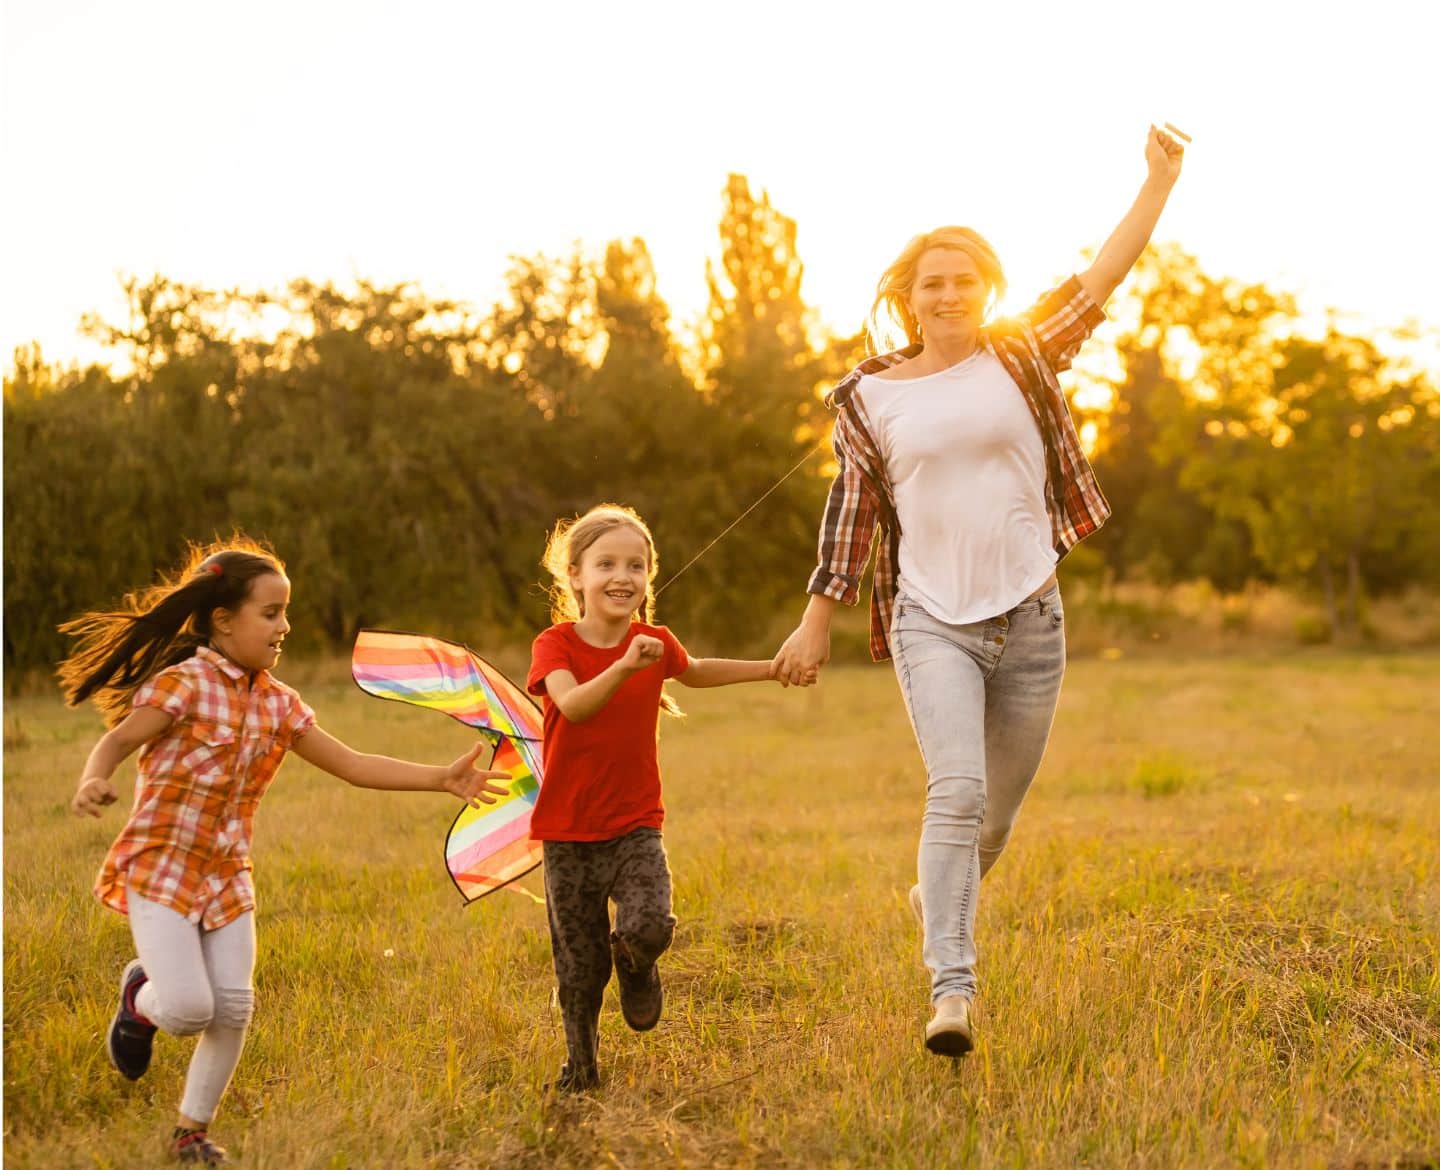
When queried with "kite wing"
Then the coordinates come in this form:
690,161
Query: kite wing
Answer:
490,846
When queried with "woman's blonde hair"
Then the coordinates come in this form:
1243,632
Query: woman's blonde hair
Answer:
890,312
566,546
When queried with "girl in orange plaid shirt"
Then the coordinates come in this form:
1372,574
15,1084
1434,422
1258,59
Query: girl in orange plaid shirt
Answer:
182,673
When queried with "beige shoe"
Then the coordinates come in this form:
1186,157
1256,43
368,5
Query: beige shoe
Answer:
949,1033
915,907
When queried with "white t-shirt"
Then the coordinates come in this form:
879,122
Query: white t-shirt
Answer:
967,465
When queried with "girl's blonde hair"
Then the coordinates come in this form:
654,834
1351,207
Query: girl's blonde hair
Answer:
567,543
890,312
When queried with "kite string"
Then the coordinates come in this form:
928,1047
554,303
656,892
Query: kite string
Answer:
675,575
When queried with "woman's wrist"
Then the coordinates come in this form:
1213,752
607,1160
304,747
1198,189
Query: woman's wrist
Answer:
1159,183
818,613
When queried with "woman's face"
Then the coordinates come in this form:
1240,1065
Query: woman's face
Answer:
948,296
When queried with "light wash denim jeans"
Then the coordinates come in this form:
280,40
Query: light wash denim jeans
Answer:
981,698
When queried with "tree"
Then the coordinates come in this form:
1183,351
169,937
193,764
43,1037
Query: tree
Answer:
762,378
1327,460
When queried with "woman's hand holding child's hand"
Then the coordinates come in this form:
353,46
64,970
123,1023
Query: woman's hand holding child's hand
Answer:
94,793
643,651
470,783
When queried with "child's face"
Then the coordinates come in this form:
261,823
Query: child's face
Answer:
612,575
251,635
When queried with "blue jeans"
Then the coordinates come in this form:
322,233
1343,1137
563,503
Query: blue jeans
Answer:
981,698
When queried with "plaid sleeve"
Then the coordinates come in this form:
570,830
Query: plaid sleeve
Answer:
847,529
299,719
1061,320
170,690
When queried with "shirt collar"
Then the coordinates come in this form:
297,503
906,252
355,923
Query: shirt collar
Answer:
231,670
840,395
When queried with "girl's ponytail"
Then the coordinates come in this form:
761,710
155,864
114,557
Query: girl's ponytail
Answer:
117,651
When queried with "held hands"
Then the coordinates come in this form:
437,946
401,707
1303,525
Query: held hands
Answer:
94,793
1163,156
470,783
799,659
643,651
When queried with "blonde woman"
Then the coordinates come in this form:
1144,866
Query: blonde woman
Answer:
959,453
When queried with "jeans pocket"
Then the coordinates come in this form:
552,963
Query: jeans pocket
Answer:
897,614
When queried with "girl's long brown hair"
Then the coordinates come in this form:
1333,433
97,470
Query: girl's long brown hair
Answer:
116,651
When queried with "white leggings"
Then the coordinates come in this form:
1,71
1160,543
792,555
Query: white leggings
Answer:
198,983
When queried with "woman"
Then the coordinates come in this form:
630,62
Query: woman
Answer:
960,448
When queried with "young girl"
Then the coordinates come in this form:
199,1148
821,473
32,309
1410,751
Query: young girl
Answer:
601,670
182,673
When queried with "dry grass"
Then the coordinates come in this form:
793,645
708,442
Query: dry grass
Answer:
1212,943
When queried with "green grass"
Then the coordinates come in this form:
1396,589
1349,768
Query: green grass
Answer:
1213,942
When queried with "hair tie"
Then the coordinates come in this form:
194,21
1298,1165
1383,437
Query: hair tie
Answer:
215,567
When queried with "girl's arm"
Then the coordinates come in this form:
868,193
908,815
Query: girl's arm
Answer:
721,672
1163,156
578,701
95,790
460,778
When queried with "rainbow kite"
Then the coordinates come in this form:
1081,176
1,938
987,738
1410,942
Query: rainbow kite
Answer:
490,846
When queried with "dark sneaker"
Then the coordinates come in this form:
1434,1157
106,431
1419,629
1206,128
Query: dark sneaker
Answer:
193,1147
131,1035
641,997
574,1079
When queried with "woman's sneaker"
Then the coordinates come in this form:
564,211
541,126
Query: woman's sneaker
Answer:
193,1147
641,997
950,1033
132,1036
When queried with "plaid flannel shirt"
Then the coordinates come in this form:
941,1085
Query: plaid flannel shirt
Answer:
1034,348
187,842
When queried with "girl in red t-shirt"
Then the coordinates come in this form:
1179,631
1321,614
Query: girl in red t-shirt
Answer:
601,671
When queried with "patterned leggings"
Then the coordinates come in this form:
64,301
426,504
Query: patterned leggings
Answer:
581,878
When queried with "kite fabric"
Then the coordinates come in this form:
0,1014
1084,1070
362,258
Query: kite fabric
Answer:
490,846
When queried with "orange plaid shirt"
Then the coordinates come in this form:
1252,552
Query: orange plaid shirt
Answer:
187,842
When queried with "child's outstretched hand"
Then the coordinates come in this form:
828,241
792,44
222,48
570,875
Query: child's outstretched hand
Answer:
471,784
94,793
643,651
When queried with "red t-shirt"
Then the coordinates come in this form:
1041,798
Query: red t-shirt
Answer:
602,777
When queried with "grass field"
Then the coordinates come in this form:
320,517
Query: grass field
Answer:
1215,941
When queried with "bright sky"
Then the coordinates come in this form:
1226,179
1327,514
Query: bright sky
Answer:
248,144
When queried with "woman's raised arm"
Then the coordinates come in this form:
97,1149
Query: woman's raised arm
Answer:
1163,156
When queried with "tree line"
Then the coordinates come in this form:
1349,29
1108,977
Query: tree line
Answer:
406,456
